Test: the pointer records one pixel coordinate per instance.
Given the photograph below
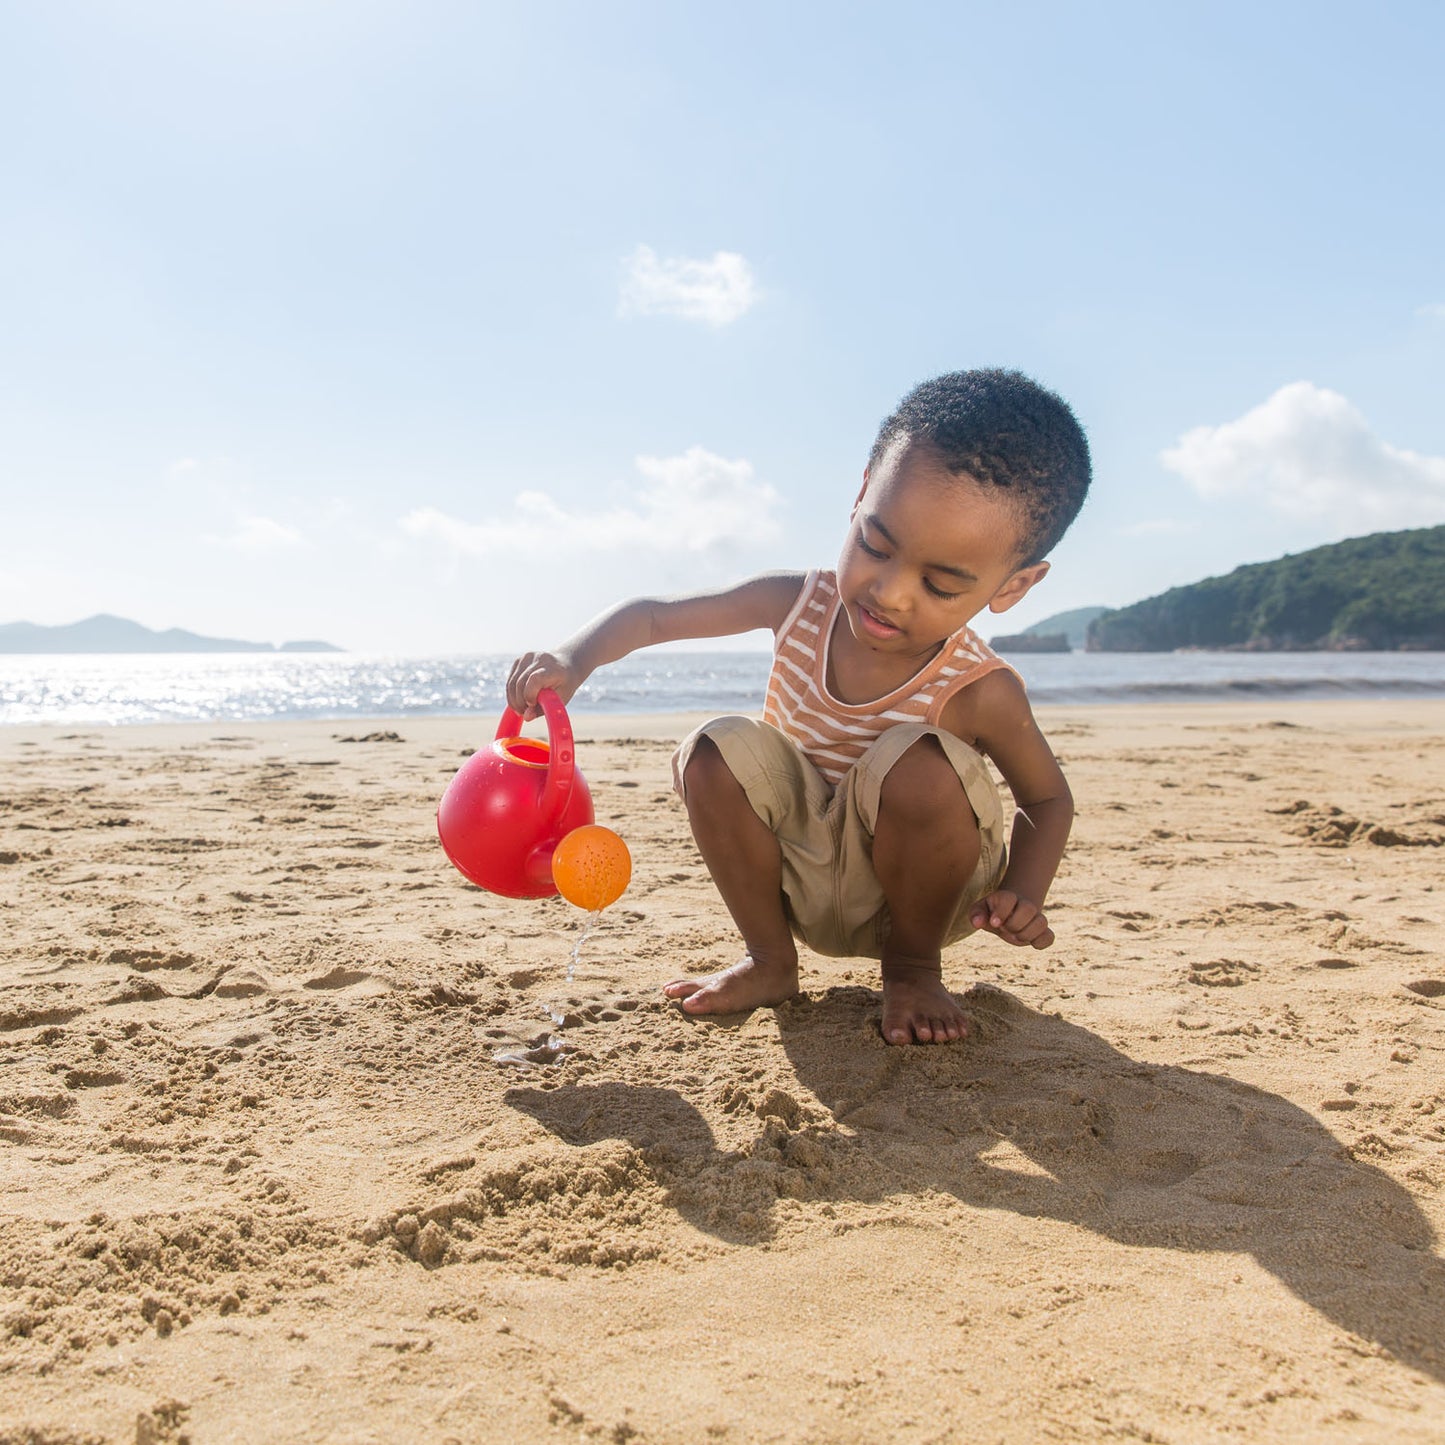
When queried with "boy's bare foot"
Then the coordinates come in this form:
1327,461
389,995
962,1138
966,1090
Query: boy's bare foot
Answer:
746,985
917,1007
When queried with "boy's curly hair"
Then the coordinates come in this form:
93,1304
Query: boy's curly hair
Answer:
1003,430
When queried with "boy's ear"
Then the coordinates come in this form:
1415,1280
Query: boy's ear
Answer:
862,492
1018,586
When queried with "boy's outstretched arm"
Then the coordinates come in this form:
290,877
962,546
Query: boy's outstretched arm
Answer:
998,718
645,621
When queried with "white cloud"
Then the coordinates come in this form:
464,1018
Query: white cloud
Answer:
693,503
1435,311
1308,453
260,534
716,291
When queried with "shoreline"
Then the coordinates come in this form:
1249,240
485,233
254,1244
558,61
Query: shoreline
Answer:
1357,711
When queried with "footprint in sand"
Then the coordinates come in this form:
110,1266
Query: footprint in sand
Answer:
243,983
136,989
1222,973
143,960
93,1078
1159,1168
343,977
34,1018
1428,987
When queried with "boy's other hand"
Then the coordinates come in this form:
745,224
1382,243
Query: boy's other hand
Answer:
533,671
1016,920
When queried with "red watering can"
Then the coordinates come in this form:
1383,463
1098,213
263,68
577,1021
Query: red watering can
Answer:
512,802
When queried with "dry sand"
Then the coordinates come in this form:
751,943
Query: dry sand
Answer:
262,1179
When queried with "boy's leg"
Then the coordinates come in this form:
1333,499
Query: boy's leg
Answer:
746,863
926,846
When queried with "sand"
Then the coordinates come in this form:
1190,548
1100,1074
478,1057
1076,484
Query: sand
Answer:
262,1179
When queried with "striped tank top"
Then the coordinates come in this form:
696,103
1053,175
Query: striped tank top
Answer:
833,735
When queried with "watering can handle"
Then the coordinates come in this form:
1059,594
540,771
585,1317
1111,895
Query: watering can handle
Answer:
561,766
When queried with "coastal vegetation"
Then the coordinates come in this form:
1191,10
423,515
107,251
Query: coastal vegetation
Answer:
1383,592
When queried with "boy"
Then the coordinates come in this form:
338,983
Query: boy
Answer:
859,814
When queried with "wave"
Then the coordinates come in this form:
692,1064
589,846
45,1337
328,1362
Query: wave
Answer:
1242,688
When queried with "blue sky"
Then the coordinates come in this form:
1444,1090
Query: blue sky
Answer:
437,327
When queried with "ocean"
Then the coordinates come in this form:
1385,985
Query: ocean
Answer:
247,687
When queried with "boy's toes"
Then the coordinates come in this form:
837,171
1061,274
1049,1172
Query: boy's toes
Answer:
923,1029
906,1031
681,987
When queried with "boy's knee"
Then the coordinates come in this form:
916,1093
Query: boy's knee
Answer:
922,787
705,770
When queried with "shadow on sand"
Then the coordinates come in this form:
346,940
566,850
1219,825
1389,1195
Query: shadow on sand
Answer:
1042,1117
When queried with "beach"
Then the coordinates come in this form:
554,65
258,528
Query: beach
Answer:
265,1177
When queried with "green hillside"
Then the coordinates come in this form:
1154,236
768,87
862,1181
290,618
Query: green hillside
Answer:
1382,592
1074,624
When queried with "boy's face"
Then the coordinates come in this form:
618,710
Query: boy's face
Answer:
926,552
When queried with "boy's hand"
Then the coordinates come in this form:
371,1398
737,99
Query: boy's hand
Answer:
533,671
1016,920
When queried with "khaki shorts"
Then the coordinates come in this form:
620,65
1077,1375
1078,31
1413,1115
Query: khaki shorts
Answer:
833,898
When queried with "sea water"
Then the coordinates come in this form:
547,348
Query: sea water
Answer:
228,687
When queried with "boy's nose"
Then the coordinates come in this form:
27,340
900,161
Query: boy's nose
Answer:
888,589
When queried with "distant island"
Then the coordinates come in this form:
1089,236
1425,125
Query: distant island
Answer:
1063,632
104,633
1031,642
1384,592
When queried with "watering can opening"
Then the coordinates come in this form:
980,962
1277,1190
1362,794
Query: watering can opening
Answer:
531,752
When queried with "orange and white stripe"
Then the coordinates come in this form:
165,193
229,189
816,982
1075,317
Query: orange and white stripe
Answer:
833,735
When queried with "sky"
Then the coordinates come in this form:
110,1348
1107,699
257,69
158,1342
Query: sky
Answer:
427,327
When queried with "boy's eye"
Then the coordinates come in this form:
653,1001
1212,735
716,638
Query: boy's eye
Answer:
871,551
938,591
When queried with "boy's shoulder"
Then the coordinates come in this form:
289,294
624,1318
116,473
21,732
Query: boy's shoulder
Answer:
994,703
770,597
785,588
